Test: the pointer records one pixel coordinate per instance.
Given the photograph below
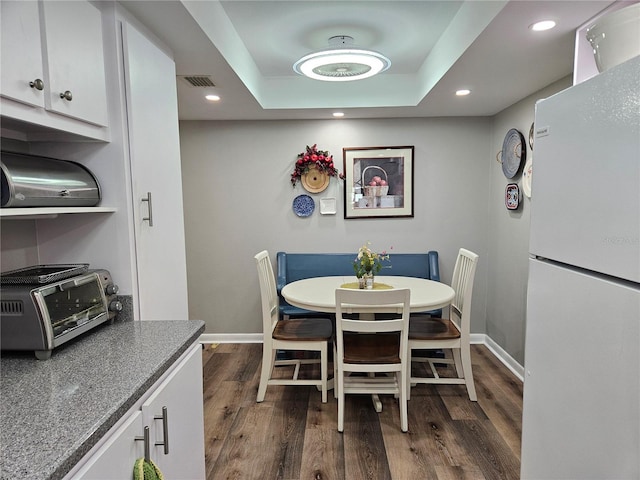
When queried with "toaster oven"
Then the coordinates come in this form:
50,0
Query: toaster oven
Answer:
44,306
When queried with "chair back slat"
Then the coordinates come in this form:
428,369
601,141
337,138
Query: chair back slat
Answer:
462,283
268,294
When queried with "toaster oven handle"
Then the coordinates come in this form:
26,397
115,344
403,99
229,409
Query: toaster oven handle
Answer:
75,282
150,217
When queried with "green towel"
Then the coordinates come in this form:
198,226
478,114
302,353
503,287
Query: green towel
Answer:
146,470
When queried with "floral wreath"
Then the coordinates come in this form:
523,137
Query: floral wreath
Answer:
314,157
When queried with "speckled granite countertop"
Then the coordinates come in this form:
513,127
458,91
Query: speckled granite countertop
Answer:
53,411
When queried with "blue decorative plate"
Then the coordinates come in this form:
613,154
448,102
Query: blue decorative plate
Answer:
303,205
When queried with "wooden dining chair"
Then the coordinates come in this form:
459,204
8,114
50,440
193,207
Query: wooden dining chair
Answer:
449,334
371,347
300,334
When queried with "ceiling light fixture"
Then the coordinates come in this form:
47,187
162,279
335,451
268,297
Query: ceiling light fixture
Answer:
338,114
212,98
543,25
341,62
462,92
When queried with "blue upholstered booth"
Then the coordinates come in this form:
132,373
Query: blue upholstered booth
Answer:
296,266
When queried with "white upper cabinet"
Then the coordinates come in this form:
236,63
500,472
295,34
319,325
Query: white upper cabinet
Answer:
74,53
22,73
53,67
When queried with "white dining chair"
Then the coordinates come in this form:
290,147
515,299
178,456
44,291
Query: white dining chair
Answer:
300,334
450,334
371,347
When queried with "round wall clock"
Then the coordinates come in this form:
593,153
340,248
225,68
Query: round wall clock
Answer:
514,152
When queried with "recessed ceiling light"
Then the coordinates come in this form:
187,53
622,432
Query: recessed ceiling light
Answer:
341,62
543,25
212,98
462,92
338,114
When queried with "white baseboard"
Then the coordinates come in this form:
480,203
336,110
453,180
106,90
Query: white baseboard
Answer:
500,354
476,338
231,338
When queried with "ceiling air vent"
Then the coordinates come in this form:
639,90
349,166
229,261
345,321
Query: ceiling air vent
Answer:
198,80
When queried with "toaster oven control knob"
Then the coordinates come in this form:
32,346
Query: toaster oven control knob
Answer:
111,289
115,306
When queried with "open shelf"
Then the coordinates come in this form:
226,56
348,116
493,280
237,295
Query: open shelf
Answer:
49,212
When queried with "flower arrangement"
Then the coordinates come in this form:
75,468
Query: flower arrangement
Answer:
312,157
368,262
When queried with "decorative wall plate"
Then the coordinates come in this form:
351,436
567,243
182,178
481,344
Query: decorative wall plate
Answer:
328,206
512,196
315,181
526,177
514,152
303,205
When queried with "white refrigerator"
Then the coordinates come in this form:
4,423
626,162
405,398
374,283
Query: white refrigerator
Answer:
581,407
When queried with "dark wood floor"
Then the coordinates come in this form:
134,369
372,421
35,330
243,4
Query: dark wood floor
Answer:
292,435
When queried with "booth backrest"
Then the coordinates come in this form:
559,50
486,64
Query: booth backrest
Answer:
296,266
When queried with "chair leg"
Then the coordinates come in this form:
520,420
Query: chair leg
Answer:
335,372
457,360
339,382
324,366
408,375
268,360
468,374
402,398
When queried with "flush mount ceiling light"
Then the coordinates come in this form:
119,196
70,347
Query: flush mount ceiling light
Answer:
341,62
543,25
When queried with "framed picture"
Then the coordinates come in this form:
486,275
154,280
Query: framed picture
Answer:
378,182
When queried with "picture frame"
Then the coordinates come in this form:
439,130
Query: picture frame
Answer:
378,182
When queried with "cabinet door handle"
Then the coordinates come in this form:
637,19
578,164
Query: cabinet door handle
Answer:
67,95
145,439
150,217
165,430
38,84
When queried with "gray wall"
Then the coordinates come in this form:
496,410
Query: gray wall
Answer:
238,199
508,241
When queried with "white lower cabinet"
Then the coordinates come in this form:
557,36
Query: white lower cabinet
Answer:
117,455
175,409
179,394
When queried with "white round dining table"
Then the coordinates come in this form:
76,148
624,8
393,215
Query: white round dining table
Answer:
318,294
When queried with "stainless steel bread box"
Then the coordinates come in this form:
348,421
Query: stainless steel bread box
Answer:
34,181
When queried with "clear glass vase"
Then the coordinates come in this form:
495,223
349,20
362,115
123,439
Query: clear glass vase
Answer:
368,280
